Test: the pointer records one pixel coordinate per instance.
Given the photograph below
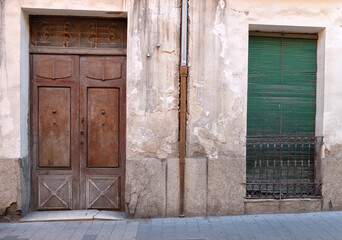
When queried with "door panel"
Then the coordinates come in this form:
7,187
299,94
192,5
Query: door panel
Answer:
54,127
55,132
102,154
103,69
103,192
54,192
103,127
53,68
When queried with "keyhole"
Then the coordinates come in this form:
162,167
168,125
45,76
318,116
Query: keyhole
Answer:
103,123
54,111
103,112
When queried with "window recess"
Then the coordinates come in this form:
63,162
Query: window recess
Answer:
281,145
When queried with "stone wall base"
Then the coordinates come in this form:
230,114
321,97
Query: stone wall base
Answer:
282,206
9,183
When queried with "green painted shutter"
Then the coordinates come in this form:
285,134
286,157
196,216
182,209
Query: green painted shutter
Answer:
281,86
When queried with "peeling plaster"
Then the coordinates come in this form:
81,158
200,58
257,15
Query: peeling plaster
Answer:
152,86
219,27
334,151
215,102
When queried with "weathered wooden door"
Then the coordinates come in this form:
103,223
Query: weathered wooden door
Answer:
78,132
102,123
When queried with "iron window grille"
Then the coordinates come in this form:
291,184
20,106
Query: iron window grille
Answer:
281,167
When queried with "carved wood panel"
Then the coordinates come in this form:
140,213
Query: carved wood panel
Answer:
50,68
103,70
103,192
54,192
54,68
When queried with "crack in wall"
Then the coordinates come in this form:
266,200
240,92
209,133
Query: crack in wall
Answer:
134,197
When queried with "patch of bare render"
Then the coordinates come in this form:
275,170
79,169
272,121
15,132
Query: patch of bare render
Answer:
335,151
219,28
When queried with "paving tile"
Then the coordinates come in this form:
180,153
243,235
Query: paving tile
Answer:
118,231
31,230
13,238
43,232
89,237
106,230
81,231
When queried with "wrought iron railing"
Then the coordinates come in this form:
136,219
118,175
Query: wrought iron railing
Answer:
282,167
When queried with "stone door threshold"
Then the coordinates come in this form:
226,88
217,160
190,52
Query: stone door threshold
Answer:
73,215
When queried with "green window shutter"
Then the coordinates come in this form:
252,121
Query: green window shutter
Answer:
299,87
281,86
264,86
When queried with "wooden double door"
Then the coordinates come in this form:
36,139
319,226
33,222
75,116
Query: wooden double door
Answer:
78,131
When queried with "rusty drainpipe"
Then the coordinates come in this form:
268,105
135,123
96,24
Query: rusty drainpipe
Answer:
183,73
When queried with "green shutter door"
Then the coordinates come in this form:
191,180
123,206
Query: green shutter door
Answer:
281,86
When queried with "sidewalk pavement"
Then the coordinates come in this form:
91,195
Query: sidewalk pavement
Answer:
319,225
